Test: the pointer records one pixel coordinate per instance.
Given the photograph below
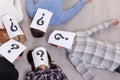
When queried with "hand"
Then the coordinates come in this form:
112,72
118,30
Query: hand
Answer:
88,1
115,21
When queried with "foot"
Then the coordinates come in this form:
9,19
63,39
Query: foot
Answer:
115,21
88,1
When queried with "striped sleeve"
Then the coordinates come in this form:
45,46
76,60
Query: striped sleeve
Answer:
82,68
99,28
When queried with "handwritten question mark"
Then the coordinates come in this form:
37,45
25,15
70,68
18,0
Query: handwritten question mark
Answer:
40,21
13,27
41,53
14,46
58,36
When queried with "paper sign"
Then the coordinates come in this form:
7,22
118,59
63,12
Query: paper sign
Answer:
41,19
12,27
11,50
40,57
62,38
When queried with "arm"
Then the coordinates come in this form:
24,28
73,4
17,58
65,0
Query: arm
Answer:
100,28
82,68
68,14
19,12
29,76
30,7
61,75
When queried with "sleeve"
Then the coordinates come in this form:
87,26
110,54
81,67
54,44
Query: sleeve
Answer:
30,7
82,68
68,14
19,11
29,76
99,28
61,74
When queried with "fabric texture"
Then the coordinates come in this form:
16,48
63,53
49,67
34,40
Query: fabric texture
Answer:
47,74
60,16
11,7
100,54
7,70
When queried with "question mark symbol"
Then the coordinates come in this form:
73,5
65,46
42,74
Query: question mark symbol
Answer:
58,36
13,27
14,46
41,53
40,21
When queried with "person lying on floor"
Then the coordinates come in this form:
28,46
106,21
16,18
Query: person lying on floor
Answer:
100,54
8,70
42,67
59,16
11,8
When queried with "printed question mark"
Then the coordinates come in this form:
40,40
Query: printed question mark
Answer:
58,36
14,46
13,27
40,21
41,53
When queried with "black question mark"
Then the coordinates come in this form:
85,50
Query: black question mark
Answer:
40,21
14,46
58,36
41,53
13,27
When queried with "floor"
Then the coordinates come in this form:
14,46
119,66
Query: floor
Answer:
93,13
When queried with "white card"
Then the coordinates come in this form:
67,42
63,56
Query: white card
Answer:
11,50
62,38
41,19
12,27
40,57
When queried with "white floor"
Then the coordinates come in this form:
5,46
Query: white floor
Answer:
93,13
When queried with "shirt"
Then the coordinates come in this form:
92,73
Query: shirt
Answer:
47,74
11,7
7,70
100,54
60,16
